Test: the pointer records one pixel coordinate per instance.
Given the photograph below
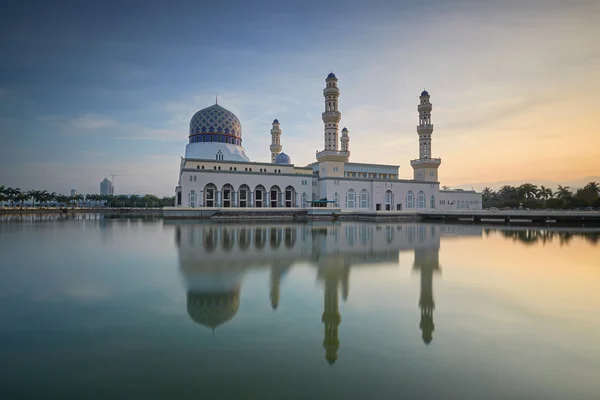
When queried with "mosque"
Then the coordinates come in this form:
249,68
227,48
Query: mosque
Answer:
216,172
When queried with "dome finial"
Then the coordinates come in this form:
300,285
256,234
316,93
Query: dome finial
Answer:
216,99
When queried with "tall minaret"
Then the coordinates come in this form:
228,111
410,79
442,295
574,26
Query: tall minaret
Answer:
425,167
427,262
275,140
345,141
331,116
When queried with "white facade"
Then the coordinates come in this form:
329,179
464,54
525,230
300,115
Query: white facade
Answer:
216,172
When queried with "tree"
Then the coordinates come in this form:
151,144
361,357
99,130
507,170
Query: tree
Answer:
593,187
3,197
135,200
445,187
563,193
526,191
544,193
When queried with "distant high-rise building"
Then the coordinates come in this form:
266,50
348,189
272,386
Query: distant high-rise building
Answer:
106,187
73,192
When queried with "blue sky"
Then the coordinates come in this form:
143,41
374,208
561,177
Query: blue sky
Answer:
93,88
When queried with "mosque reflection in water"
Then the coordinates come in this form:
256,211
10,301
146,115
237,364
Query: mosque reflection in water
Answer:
213,260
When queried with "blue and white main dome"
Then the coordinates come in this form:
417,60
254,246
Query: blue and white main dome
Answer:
283,158
216,120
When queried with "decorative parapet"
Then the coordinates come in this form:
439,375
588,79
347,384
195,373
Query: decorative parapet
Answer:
333,155
426,161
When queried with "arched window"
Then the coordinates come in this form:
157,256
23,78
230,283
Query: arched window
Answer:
421,199
432,201
364,199
192,198
336,200
351,199
304,200
410,199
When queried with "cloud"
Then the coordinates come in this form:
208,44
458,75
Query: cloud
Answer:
84,121
90,121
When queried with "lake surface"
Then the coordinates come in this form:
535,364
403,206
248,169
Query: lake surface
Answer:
146,308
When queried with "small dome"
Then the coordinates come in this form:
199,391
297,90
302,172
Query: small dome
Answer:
275,121
345,129
424,93
331,75
282,158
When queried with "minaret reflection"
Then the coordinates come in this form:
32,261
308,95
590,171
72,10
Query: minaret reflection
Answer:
427,262
332,276
277,274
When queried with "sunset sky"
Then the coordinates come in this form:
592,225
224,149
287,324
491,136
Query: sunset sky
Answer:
89,89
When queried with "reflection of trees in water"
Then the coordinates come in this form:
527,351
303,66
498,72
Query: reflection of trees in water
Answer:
530,237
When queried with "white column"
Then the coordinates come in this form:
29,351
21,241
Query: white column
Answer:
218,199
235,199
200,199
250,198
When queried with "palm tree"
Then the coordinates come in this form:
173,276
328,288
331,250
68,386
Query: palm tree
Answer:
22,197
445,187
527,191
544,193
3,196
563,192
593,187
13,195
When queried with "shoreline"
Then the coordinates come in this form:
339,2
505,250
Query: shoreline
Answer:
226,215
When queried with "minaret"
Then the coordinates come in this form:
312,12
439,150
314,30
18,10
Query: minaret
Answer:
331,318
425,167
275,140
427,262
345,141
331,116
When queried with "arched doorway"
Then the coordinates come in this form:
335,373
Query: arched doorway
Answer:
259,196
210,195
274,195
290,197
227,193
243,196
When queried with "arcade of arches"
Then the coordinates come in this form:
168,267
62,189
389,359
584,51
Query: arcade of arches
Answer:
245,196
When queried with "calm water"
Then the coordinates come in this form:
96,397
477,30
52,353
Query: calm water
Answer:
98,308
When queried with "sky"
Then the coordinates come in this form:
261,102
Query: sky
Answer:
89,89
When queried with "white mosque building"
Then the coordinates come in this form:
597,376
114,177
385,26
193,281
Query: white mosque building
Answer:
216,172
